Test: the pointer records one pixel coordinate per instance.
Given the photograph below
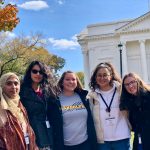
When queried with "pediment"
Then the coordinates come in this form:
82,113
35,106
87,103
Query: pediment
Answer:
141,23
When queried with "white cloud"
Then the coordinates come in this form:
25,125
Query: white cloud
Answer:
43,41
64,43
8,34
60,2
34,5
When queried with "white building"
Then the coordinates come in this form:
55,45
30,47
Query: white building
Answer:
99,43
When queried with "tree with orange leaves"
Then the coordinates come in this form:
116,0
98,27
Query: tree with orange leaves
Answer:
8,17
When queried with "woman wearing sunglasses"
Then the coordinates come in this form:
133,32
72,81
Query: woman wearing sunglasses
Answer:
135,98
35,94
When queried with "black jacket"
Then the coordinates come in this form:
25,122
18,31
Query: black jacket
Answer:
57,123
139,117
37,113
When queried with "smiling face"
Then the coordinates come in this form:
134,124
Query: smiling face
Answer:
69,82
11,87
103,78
131,85
36,74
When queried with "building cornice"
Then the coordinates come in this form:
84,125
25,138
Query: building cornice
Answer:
133,31
97,37
86,39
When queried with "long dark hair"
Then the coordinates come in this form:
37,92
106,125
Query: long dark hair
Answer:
27,81
114,75
61,80
46,82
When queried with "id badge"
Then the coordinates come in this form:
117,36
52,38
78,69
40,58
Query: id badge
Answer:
110,121
26,137
47,124
140,141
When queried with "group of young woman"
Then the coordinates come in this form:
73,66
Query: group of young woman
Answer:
41,115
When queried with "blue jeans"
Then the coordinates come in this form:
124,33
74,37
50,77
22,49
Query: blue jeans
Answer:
115,145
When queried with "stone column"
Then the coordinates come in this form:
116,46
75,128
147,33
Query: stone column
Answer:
124,59
143,60
86,68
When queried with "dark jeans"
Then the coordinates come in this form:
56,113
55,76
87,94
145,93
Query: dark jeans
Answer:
115,145
140,147
82,146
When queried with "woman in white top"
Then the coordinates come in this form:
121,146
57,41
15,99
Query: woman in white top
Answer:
111,125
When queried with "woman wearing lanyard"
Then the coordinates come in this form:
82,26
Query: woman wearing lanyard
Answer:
15,131
73,126
35,95
135,98
111,125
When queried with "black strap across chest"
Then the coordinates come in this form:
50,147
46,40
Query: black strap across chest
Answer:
108,107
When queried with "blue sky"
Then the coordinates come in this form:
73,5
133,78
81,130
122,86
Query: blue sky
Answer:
61,20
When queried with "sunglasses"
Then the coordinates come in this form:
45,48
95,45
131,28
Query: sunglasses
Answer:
36,71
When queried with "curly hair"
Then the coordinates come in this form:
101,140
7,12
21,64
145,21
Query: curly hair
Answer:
115,77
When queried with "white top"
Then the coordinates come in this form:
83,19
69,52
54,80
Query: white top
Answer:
114,124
